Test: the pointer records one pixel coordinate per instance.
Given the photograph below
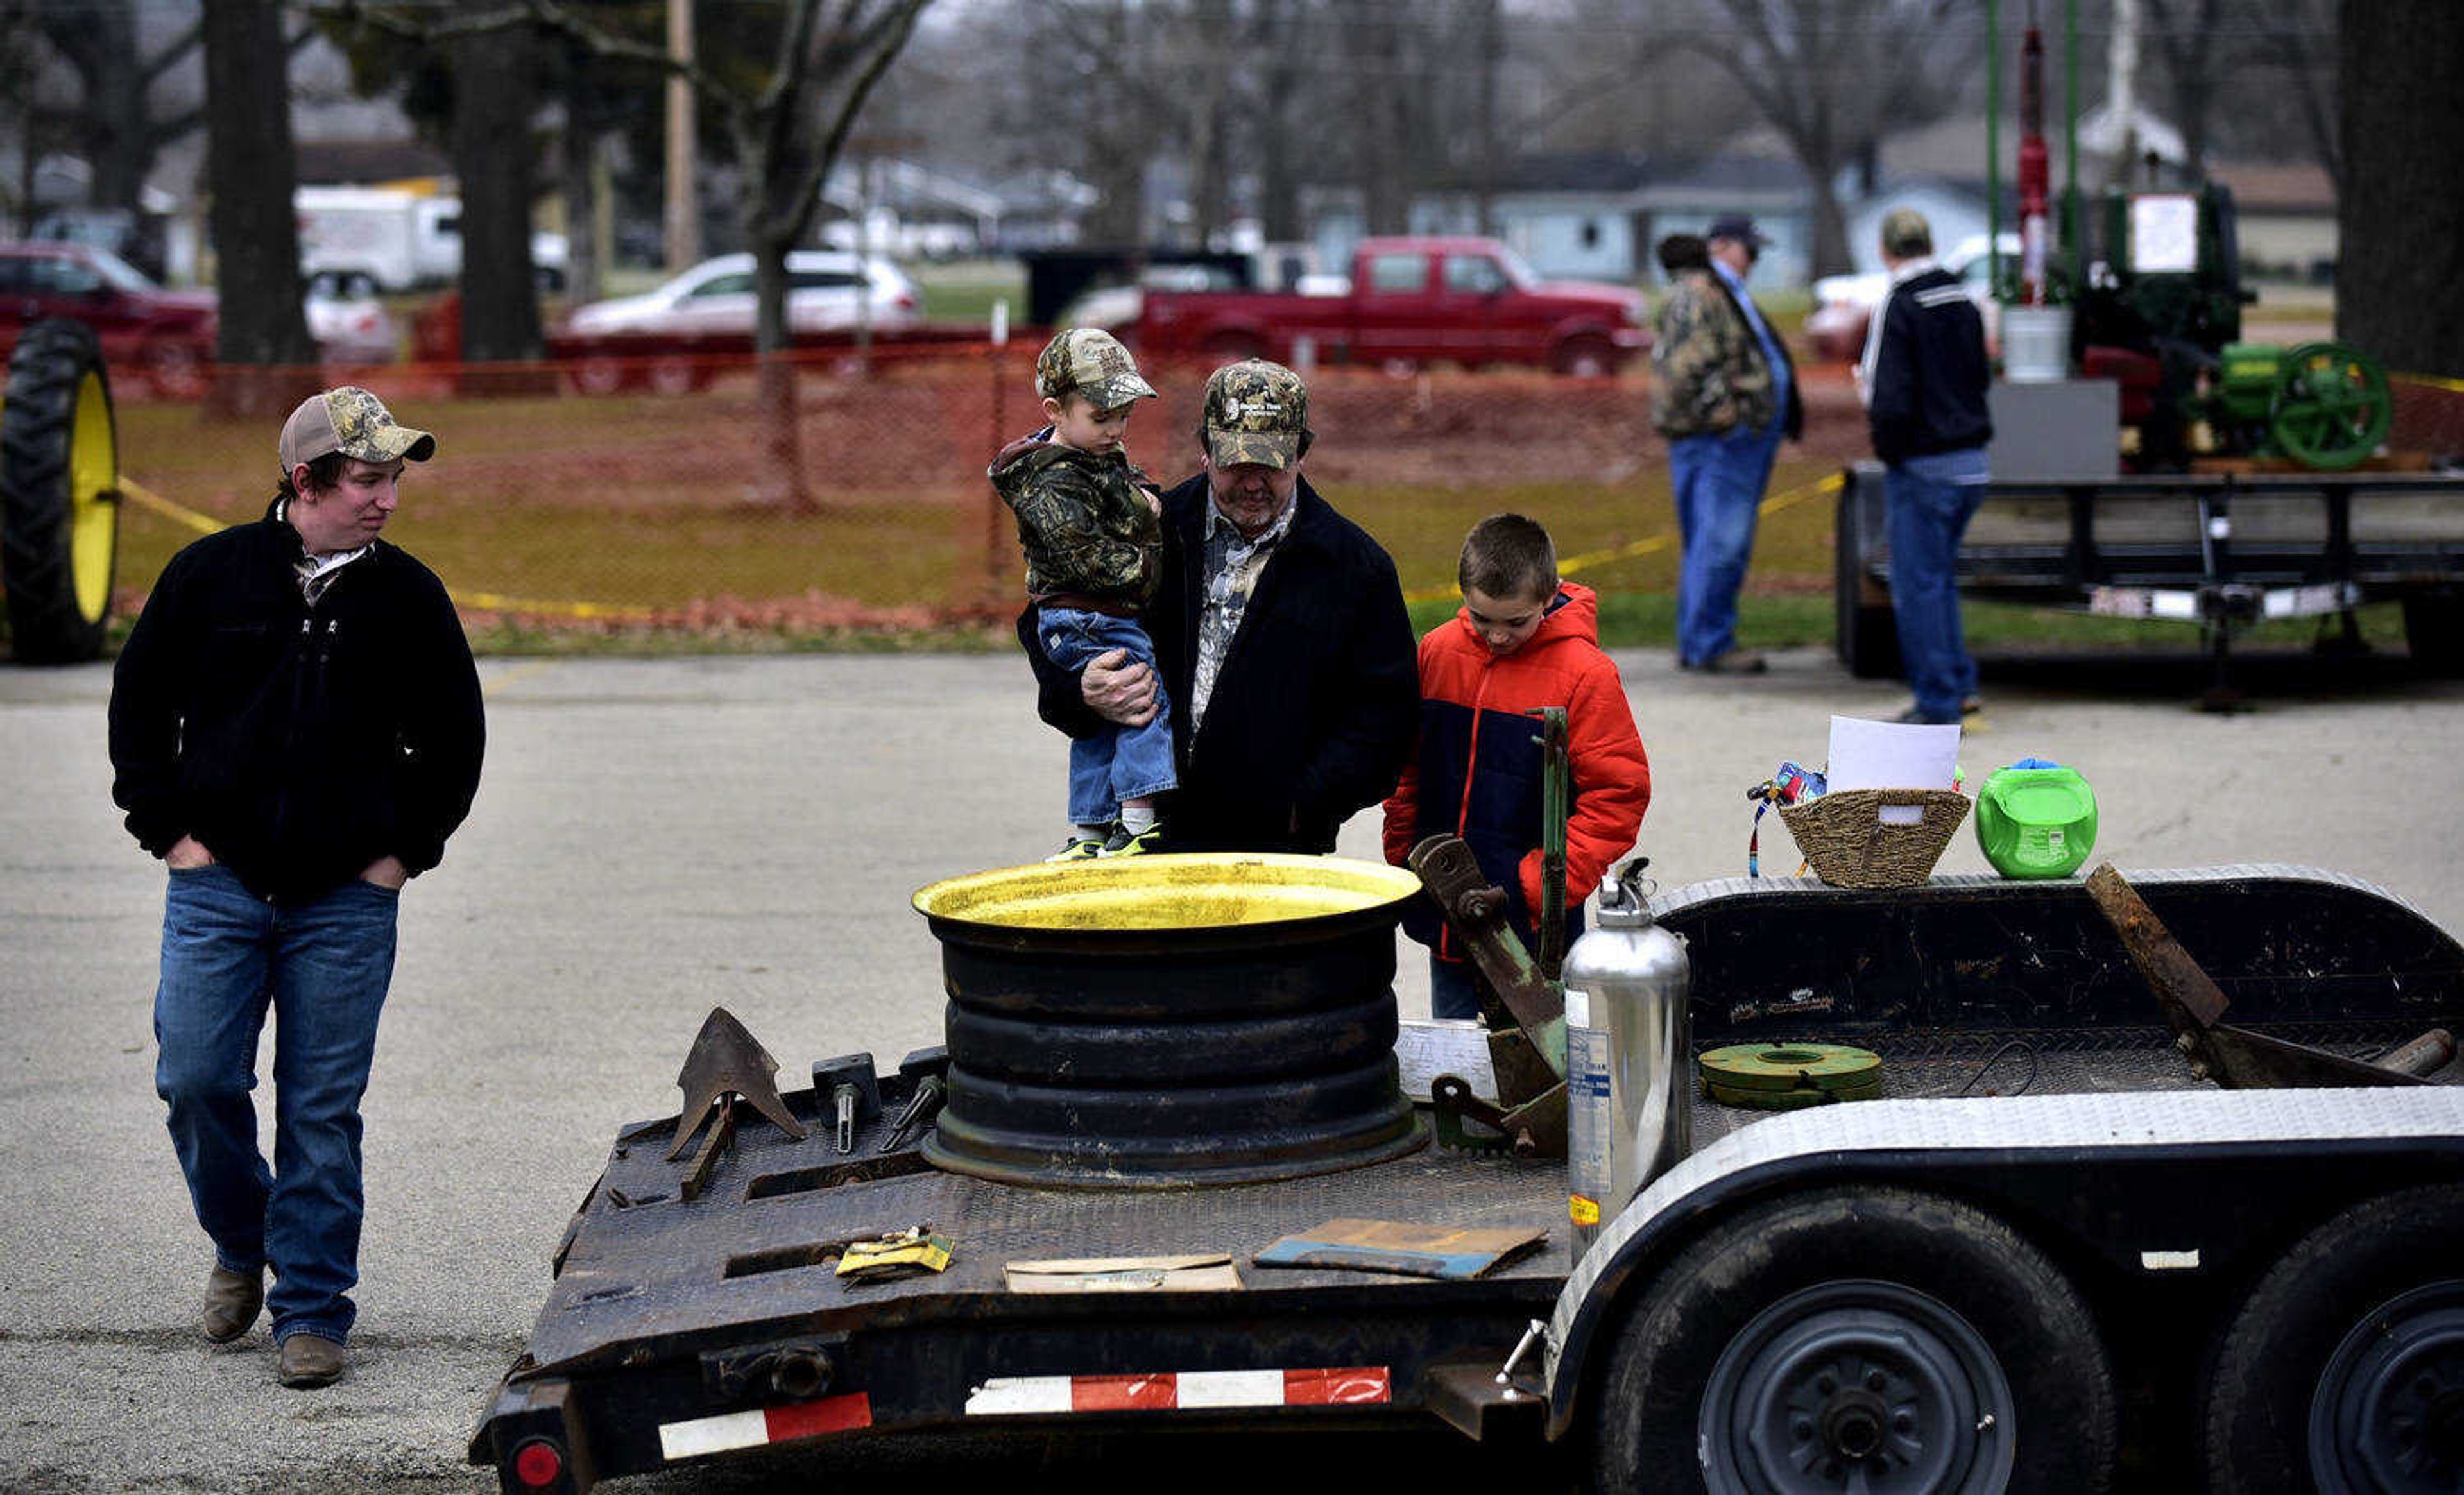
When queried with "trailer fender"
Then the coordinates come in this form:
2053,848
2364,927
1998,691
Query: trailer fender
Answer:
2093,1179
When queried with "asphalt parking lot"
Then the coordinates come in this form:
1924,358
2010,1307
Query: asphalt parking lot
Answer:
654,837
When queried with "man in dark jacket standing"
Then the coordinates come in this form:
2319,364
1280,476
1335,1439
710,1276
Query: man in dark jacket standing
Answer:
1279,634
1924,378
296,728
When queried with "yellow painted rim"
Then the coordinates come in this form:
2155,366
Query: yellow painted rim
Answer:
94,509
1186,890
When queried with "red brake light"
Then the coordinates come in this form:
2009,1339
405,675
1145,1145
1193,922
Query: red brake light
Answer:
538,1463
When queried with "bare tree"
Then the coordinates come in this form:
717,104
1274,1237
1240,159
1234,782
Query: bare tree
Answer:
1829,74
493,96
256,238
115,127
2398,219
788,128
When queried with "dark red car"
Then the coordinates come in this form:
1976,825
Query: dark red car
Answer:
163,338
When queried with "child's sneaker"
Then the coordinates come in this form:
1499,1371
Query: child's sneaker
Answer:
1128,842
1082,848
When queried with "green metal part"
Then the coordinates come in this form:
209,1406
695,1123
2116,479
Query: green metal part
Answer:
1556,791
2331,407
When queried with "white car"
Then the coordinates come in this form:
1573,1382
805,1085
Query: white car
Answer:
715,299
1843,304
347,321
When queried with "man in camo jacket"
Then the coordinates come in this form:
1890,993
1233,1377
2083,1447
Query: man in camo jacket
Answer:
1725,395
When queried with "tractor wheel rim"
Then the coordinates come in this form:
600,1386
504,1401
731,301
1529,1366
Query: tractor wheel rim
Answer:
94,510
2388,1411
1856,1385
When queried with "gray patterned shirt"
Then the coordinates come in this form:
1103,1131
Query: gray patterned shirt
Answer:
1233,565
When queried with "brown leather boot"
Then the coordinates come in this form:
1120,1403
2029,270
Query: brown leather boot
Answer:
307,1362
233,1302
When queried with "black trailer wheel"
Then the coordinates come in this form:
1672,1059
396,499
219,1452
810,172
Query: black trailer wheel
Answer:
2344,1370
1874,1339
60,508
1864,632
2434,631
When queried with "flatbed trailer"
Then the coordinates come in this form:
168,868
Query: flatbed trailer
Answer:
2218,550
2115,1276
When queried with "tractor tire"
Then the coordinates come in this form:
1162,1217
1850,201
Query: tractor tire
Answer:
2343,1368
59,499
1858,1338
2434,631
1867,636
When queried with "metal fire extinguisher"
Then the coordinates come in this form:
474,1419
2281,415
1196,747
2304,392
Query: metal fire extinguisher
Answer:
1628,1103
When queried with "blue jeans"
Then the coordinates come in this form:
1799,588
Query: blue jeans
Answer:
1719,483
1926,519
1118,762
323,968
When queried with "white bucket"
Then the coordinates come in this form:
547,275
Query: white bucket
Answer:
2036,343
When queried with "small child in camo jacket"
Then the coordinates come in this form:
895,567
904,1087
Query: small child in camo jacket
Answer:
1090,522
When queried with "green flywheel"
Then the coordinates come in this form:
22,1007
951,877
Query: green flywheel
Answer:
1789,1066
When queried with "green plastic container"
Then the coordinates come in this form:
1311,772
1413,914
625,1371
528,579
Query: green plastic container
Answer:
2036,822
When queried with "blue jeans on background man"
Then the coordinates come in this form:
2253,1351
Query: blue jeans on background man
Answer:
1118,762
1719,481
1926,518
322,967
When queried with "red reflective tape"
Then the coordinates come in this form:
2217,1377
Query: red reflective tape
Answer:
812,1419
1123,1393
1323,1387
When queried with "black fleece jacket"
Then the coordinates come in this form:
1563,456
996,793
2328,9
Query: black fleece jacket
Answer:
298,744
1925,370
1316,704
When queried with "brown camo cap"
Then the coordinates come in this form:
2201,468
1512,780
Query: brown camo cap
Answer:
1256,411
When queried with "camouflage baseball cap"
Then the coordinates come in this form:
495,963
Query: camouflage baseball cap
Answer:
1256,411
354,423
1090,362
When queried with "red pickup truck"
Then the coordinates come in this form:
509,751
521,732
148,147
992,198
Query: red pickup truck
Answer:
1419,299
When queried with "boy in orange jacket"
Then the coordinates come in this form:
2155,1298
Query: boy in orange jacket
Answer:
1524,640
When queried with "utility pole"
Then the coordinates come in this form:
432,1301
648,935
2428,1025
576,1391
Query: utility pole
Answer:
683,215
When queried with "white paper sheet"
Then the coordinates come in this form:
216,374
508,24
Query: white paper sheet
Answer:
1883,755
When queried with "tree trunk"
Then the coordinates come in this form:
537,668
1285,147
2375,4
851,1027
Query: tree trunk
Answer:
1376,43
256,238
2398,218
493,92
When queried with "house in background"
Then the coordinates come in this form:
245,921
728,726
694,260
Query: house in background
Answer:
1593,217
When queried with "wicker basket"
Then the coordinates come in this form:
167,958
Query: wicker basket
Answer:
1845,840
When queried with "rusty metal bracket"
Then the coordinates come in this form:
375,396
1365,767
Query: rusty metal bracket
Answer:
727,1060
1475,910
2236,1059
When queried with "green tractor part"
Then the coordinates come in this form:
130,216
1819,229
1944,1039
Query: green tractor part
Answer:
2331,407
60,494
1787,1076
2323,405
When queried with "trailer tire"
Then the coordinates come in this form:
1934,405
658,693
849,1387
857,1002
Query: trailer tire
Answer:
1727,1374
2345,1367
1865,636
59,500
2434,632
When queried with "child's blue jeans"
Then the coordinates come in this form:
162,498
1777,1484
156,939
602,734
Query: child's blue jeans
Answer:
1118,762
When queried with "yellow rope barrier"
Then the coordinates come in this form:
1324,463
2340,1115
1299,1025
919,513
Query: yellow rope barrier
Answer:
493,602
1649,544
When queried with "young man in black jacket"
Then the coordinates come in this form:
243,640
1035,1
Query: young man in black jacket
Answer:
1924,378
296,728
1279,632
